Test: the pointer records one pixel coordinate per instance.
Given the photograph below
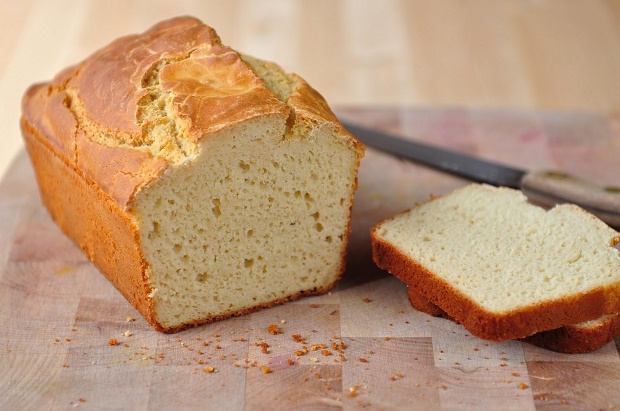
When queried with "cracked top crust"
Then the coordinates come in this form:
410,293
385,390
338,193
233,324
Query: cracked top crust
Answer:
142,104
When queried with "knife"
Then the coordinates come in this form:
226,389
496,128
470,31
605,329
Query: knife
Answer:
545,187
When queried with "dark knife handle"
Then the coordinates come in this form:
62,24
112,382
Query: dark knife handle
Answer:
554,187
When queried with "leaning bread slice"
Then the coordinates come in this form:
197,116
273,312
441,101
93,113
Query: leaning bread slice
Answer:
418,302
500,266
581,337
570,339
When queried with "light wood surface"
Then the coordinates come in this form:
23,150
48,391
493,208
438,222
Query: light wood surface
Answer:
497,53
58,314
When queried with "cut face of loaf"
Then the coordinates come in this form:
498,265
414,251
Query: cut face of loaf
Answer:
202,183
266,220
500,266
570,339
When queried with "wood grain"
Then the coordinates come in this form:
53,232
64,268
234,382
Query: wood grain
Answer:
543,54
361,346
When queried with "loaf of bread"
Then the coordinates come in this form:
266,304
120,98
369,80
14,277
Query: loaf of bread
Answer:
502,267
570,339
201,182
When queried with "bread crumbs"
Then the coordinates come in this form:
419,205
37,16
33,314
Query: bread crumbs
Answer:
273,329
264,347
398,376
301,352
113,341
523,386
353,391
265,369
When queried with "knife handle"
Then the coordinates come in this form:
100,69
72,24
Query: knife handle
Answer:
554,187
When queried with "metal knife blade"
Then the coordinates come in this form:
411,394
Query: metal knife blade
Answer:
459,164
546,187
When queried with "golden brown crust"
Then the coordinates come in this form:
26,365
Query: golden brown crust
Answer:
89,217
311,105
119,171
480,322
211,86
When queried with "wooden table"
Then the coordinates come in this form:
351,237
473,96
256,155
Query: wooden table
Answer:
69,339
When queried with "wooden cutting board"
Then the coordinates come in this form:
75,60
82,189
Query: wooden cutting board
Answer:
69,339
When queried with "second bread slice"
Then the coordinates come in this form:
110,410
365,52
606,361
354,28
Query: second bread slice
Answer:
570,339
500,266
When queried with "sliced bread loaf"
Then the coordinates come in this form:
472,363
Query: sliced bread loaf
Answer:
570,339
202,183
500,266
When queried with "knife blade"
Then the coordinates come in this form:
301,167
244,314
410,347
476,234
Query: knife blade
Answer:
545,187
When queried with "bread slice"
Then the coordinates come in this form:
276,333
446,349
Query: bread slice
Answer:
502,267
570,339
418,302
202,183
579,338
